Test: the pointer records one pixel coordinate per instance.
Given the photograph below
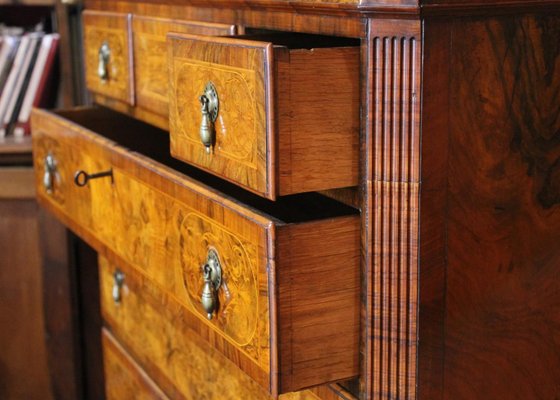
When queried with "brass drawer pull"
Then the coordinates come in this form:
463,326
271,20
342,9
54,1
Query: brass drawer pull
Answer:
118,282
50,172
212,272
210,105
81,178
103,66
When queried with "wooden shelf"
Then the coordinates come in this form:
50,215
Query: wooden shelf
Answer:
12,145
15,151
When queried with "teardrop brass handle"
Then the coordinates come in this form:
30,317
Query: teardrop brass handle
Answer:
104,55
212,273
210,105
50,173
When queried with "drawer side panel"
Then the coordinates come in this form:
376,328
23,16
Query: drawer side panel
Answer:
318,281
318,119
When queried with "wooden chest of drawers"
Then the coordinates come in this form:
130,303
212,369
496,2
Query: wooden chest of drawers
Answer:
357,197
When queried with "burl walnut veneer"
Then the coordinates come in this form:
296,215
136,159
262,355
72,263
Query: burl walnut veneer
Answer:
288,306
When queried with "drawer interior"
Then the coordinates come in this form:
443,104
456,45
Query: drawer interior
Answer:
294,40
154,143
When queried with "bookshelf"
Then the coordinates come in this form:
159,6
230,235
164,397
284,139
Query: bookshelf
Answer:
27,371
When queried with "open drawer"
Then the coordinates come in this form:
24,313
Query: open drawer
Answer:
276,114
273,286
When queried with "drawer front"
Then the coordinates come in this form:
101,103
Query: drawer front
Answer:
155,329
162,231
150,56
153,325
108,55
124,379
243,136
166,226
57,159
273,124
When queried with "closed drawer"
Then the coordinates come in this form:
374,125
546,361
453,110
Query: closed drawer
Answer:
280,113
150,58
124,379
108,55
160,335
287,309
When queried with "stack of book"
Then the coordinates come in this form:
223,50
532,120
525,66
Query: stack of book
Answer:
26,77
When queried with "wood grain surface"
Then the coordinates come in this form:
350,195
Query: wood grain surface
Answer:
23,361
433,221
488,8
269,95
336,23
294,14
157,333
142,114
317,296
115,30
150,61
310,6
318,127
152,216
241,73
141,232
502,303
124,379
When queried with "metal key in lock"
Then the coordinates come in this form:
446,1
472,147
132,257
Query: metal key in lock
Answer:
81,178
